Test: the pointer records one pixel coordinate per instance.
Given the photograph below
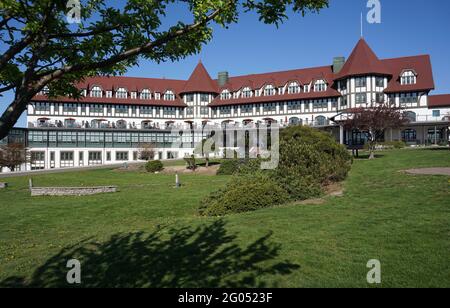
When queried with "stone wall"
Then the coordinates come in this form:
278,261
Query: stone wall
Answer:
71,191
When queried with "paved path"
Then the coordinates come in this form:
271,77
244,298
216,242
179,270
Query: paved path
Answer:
430,171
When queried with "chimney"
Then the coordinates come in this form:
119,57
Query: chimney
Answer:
338,63
222,78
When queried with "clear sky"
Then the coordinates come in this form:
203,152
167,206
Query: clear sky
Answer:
408,27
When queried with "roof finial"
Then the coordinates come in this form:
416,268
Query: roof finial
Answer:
362,30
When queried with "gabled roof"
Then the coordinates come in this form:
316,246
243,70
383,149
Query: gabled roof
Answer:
435,101
200,82
363,61
421,65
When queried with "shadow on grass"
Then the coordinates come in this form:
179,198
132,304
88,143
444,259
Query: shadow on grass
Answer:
206,256
365,156
438,149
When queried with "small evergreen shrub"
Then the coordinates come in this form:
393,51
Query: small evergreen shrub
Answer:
243,194
154,166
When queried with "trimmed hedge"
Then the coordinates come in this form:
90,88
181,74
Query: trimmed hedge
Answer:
154,166
243,194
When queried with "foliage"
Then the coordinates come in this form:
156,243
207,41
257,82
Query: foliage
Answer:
190,162
13,155
244,193
41,47
154,166
309,159
374,120
147,152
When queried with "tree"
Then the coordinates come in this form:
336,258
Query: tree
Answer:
374,120
43,49
147,151
13,155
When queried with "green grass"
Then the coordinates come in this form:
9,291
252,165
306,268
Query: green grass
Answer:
149,233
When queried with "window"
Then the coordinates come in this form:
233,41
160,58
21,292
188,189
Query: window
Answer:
360,82
411,116
108,156
293,88
321,121
122,109
42,107
320,104
95,158
246,109
121,93
246,93
96,92
344,101
145,94
96,109
409,135
320,86
436,113
204,98
169,96
135,155
269,90
409,100
225,110
379,82
343,85
189,98
70,108
66,159
294,121
306,88
145,110
169,111
108,94
37,160
121,156
189,111
294,106
408,77
361,98
204,111
225,94
379,98
45,91
270,107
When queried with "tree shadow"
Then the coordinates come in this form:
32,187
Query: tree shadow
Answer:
206,256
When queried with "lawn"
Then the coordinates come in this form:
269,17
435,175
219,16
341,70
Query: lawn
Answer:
149,234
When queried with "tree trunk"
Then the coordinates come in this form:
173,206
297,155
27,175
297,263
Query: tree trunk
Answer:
11,115
207,161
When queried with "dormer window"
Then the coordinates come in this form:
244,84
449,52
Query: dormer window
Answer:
169,96
121,93
145,94
293,88
246,92
96,92
320,86
408,77
225,94
45,91
306,88
269,90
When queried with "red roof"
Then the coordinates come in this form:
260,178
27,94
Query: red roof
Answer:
200,82
439,101
421,65
363,61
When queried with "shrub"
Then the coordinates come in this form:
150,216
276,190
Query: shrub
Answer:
243,194
309,159
190,162
154,166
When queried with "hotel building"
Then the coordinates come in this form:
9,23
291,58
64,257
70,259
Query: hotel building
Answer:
116,115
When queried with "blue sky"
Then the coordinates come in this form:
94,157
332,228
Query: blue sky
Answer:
408,27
